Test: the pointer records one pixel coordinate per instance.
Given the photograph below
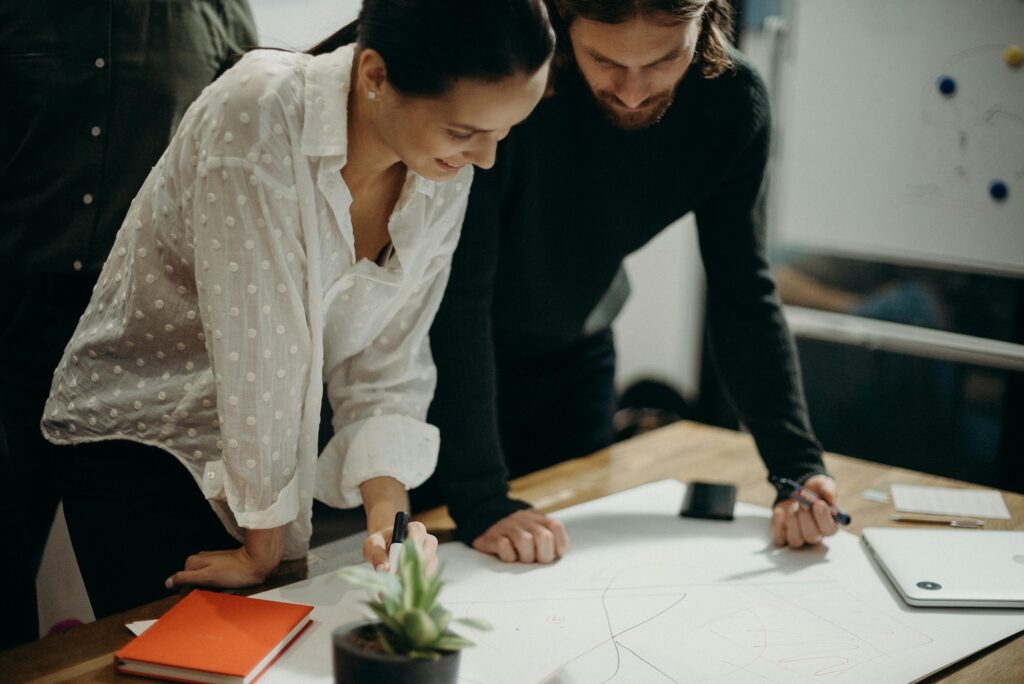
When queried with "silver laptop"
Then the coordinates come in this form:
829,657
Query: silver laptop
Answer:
951,568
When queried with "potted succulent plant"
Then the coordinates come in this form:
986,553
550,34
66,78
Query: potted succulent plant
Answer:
410,642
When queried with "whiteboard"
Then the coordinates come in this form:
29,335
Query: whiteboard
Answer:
873,160
647,596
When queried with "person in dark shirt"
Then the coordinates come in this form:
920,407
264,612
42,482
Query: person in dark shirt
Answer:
93,92
653,116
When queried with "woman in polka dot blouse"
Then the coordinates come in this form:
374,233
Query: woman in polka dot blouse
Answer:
297,231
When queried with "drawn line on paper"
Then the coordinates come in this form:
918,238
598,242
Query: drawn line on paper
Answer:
649,663
835,655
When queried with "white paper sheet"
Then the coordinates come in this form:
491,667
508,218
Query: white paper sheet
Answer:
647,596
137,628
978,503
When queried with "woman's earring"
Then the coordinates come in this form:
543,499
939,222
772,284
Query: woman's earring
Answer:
372,94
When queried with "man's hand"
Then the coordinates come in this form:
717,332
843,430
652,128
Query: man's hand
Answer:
526,536
796,526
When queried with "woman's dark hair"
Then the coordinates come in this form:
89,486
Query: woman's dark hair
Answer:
715,16
429,44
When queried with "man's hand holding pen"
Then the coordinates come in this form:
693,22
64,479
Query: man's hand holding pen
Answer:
808,514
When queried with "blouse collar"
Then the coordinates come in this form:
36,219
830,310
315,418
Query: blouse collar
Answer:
325,121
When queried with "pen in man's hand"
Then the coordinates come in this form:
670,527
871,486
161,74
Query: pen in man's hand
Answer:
798,492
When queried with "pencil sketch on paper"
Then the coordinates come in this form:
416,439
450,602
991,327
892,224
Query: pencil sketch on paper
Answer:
678,623
647,597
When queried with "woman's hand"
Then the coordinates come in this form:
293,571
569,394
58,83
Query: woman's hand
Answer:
378,544
236,568
382,498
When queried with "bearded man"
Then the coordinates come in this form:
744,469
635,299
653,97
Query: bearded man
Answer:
653,115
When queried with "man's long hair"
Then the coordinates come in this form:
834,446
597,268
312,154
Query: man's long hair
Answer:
712,55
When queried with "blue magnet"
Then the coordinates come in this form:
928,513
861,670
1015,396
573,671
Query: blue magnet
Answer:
998,190
947,86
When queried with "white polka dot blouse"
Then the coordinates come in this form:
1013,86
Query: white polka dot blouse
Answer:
232,294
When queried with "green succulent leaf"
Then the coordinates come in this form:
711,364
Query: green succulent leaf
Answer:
424,654
475,623
441,617
452,642
392,586
410,571
388,621
382,639
391,604
362,576
434,586
420,628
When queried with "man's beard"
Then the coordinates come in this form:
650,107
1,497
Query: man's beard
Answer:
654,108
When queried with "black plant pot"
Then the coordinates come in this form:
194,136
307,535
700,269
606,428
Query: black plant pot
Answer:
354,664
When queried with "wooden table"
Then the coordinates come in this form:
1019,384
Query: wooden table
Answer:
683,451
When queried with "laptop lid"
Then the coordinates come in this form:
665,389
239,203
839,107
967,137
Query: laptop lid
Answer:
951,568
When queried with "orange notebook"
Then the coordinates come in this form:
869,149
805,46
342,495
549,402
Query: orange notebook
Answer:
212,637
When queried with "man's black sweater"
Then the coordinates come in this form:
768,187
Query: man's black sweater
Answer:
546,231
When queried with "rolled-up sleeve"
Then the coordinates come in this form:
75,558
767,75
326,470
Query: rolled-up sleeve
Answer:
380,396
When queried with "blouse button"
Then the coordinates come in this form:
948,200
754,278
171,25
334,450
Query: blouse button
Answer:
77,265
87,198
95,130
100,62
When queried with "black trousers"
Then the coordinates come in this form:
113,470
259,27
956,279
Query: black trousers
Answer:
134,514
555,406
37,317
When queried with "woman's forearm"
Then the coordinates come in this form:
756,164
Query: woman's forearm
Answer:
382,498
265,548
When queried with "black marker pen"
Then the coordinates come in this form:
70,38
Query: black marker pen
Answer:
397,537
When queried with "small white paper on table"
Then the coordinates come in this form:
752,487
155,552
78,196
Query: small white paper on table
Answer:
137,628
979,503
